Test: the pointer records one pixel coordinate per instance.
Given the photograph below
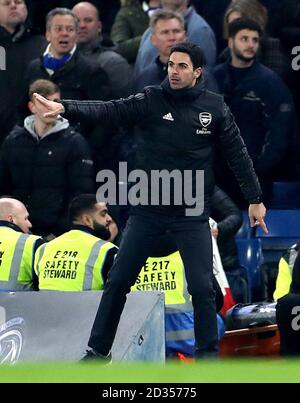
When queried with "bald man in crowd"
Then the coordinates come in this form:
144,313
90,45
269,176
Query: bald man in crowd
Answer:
90,44
17,247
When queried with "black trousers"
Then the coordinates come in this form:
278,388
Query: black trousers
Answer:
193,239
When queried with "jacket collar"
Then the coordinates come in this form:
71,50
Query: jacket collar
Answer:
22,31
68,66
83,228
251,73
95,46
184,93
11,225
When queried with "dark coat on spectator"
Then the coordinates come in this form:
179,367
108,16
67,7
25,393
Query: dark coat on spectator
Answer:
270,53
79,78
263,108
130,23
20,48
45,174
116,67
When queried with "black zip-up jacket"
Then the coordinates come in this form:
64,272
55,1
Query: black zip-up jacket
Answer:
177,129
46,174
21,48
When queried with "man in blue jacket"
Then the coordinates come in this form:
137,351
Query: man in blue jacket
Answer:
259,100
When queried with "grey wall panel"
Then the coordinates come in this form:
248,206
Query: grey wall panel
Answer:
55,326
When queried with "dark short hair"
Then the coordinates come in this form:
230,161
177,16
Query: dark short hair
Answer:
84,203
60,11
165,15
43,87
239,24
194,51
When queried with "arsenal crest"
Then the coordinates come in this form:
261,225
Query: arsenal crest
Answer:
205,118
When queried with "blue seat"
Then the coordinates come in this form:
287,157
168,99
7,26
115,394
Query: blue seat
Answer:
284,231
251,259
285,195
245,231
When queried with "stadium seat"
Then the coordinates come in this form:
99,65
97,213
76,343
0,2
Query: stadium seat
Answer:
245,231
284,231
251,258
285,195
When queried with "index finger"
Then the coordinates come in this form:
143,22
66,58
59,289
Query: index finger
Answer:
263,225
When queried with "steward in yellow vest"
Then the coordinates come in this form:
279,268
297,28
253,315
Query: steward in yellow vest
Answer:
165,272
79,259
285,272
17,247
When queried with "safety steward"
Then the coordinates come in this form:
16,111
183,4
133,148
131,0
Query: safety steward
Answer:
165,272
285,272
17,247
79,259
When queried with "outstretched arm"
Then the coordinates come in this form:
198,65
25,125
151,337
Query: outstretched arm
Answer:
128,111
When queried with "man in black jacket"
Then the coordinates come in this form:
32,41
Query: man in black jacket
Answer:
22,45
178,123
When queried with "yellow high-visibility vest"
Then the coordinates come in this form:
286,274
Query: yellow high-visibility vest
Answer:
285,272
16,260
72,262
167,274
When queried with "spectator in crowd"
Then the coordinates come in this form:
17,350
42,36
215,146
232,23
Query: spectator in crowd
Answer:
17,247
270,51
261,104
79,259
198,32
76,76
90,45
289,33
21,45
167,29
212,11
285,272
172,117
45,164
130,23
38,9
